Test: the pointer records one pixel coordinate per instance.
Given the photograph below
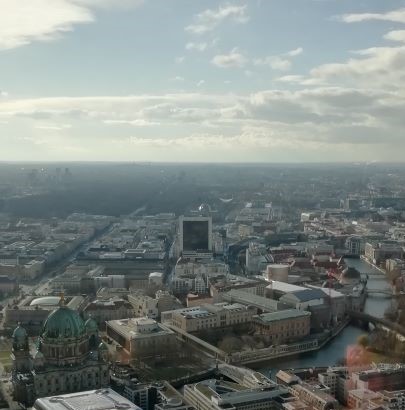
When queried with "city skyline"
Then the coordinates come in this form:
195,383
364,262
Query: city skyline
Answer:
237,81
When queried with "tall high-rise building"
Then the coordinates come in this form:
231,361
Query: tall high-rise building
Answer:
195,235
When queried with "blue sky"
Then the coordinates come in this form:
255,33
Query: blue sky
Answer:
202,80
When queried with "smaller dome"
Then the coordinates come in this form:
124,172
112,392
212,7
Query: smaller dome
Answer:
63,322
91,325
102,347
19,333
204,209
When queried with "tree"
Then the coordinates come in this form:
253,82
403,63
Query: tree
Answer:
363,341
230,344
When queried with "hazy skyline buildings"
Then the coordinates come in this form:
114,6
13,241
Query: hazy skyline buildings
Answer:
226,81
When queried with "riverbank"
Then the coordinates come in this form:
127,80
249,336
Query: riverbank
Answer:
262,356
335,351
381,270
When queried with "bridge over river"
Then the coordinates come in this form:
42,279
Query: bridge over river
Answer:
385,293
367,318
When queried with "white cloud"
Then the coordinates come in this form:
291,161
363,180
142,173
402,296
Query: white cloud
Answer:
377,67
3,94
281,62
209,19
231,60
179,60
396,35
291,79
274,62
278,63
396,16
196,46
52,127
295,52
140,122
200,83
123,4
177,78
328,115
25,21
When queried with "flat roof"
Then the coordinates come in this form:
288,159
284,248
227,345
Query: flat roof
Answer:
332,292
284,287
306,295
283,315
225,394
128,328
102,399
251,299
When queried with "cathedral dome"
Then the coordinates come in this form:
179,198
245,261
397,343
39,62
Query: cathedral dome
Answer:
204,209
91,325
63,323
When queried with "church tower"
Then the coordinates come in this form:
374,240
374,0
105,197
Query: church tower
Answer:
22,378
20,352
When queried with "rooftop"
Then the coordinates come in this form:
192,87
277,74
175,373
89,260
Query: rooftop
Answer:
283,315
225,393
46,301
241,296
306,295
137,328
284,287
103,399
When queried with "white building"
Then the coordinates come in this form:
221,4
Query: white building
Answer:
95,399
219,395
144,306
209,316
256,258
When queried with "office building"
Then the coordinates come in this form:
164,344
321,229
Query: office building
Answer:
202,317
284,325
142,338
314,397
195,235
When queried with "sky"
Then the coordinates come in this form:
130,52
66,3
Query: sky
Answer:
202,80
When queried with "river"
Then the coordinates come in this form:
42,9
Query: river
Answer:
336,349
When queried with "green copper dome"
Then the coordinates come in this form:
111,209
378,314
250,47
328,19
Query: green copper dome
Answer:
91,325
19,333
63,323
